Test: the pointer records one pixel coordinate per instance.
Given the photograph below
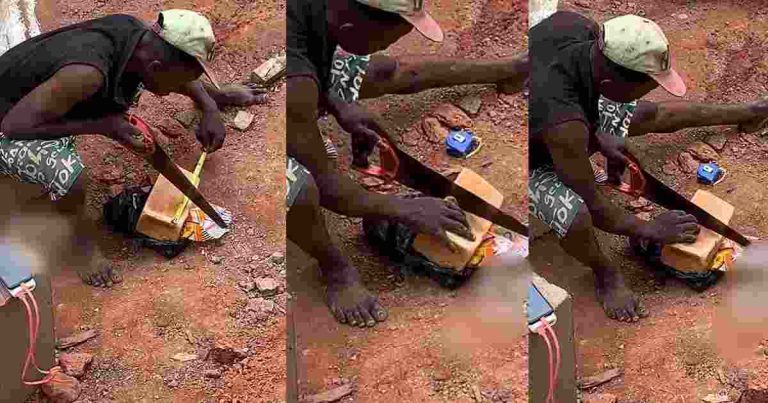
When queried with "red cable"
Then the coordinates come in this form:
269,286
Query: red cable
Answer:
33,327
542,332
551,331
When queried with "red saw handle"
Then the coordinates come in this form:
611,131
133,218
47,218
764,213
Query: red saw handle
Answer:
142,127
636,184
389,162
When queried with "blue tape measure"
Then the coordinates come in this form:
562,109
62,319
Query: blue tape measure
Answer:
461,143
709,173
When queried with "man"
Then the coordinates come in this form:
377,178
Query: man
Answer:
585,82
315,29
81,79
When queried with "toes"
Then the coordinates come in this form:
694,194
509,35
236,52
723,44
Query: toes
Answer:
352,320
378,312
358,320
339,314
367,318
115,276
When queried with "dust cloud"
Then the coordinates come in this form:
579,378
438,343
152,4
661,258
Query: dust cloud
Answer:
740,324
490,307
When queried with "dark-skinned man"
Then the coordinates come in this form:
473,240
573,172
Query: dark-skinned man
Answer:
82,79
323,76
586,80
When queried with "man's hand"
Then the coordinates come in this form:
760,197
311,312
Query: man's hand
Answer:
362,126
614,149
433,216
211,133
129,136
673,227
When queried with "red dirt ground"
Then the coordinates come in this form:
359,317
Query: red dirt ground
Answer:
411,356
190,303
687,349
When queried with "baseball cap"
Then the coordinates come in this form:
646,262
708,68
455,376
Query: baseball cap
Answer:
638,44
413,12
191,33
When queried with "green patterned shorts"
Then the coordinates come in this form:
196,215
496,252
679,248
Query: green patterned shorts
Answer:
549,199
54,164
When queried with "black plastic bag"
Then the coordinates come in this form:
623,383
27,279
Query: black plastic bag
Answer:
395,241
651,253
121,214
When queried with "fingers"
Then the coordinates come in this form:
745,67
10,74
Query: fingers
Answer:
459,229
256,89
363,143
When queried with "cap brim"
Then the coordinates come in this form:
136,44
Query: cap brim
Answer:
671,81
208,73
425,24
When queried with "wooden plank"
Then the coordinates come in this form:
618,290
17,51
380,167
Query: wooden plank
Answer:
157,218
433,249
697,257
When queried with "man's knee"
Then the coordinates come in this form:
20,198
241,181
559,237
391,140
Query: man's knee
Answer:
74,200
582,222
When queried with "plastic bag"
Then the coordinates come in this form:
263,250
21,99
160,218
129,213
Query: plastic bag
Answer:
121,214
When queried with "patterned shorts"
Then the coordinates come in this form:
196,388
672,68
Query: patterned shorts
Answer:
54,164
297,176
548,197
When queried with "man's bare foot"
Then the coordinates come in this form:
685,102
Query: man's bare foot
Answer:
351,303
104,276
240,95
760,108
618,301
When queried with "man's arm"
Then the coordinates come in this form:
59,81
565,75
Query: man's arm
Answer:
568,144
39,114
211,133
338,192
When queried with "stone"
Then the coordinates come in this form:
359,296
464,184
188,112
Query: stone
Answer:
370,182
225,355
721,397
110,176
212,373
243,120
267,286
670,168
717,141
276,258
62,388
433,130
599,379
702,152
687,163
639,204
76,339
682,16
260,308
188,118
216,259
599,398
452,116
331,395
247,285
471,104
184,357
171,127
75,364
270,71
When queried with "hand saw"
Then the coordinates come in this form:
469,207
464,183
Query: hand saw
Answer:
646,185
399,166
160,160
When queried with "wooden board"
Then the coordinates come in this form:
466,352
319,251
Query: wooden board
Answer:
697,257
156,220
433,249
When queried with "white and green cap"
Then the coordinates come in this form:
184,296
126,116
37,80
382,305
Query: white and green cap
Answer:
412,11
191,33
638,44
